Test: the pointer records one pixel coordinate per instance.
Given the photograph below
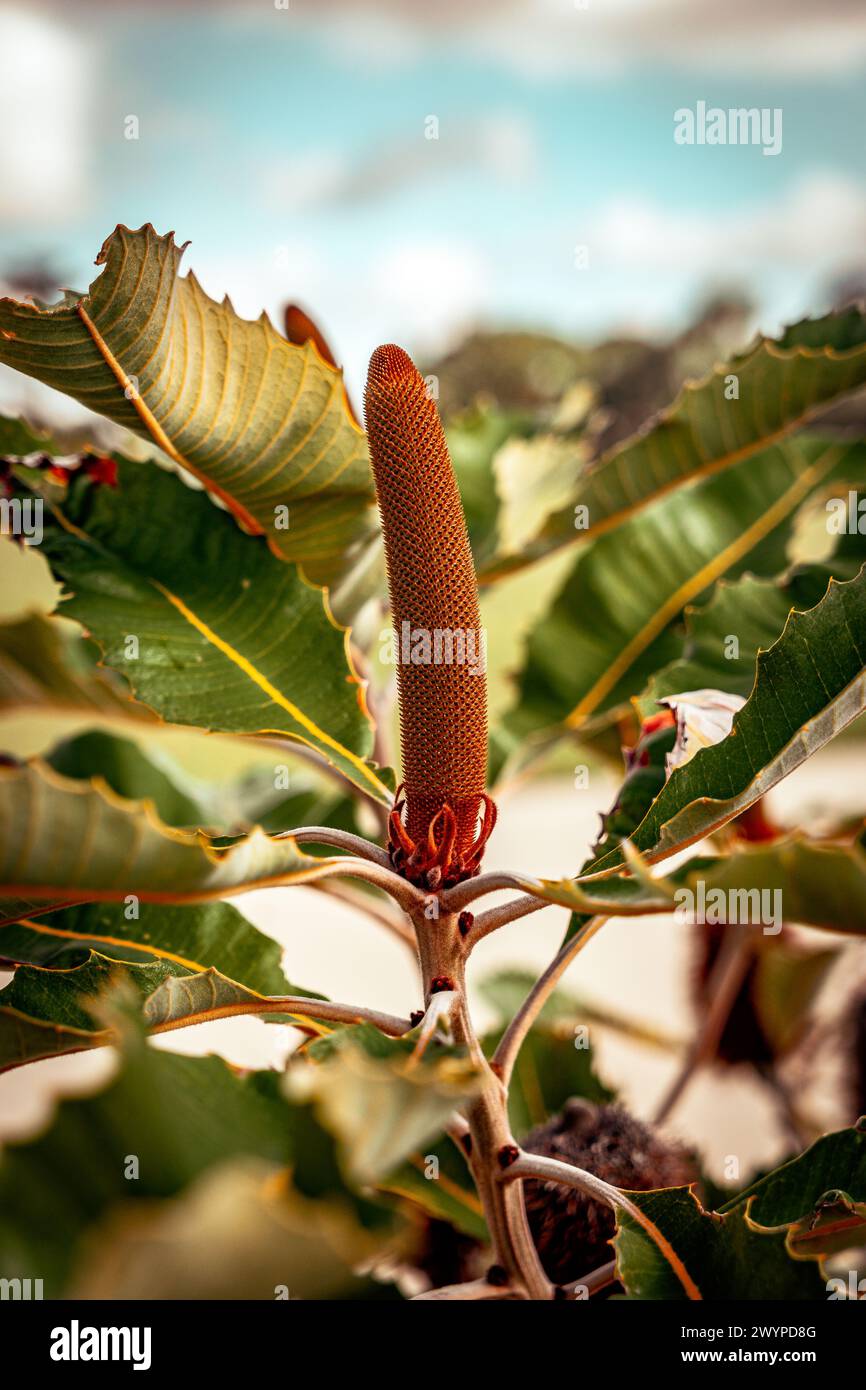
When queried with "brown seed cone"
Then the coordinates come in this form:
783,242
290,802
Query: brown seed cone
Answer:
431,578
572,1230
743,1038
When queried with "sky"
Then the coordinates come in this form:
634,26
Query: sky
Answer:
290,143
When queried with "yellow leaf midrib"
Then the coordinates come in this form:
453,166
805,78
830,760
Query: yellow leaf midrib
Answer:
698,581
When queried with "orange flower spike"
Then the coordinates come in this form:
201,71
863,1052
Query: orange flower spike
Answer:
441,675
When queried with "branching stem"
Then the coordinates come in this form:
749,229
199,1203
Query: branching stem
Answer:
338,839
553,1170
512,1039
496,917
442,952
471,889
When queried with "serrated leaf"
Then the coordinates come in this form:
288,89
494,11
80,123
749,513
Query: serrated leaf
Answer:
818,883
46,665
263,423
744,1250
809,686
816,1200
226,638
191,938
794,1190
753,611
65,841
725,1257
608,629
780,385
50,1012
163,1121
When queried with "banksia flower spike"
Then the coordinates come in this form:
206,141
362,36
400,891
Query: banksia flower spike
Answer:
435,837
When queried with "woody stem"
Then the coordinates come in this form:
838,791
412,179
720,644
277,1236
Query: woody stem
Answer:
442,951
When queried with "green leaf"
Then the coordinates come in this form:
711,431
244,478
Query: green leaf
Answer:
47,665
262,423
222,809
725,1257
130,772
808,1207
780,383
207,936
381,1100
474,436
752,610
535,478
809,685
17,438
207,627
160,1124
792,1191
236,1232
52,1012
609,628
65,841
507,989
176,1115
815,883
439,1182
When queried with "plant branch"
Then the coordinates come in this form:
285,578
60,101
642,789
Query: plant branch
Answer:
405,894
442,956
726,978
496,917
338,839
553,1170
462,894
595,1281
439,1008
512,1039
300,1005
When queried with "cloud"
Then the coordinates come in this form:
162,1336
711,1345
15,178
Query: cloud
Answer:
502,144
44,119
818,225
430,290
550,38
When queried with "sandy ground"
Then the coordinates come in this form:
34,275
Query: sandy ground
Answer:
637,967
